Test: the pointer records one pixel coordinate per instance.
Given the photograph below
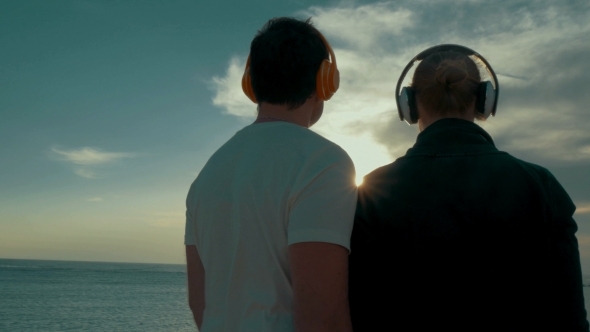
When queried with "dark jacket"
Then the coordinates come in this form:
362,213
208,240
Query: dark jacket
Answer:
458,236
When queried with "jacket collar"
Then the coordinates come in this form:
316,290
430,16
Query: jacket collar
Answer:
452,136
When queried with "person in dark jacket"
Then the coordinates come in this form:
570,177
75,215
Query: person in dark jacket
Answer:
457,235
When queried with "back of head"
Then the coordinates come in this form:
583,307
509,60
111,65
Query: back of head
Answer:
285,57
446,83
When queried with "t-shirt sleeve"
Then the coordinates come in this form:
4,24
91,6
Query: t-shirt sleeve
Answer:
189,234
323,209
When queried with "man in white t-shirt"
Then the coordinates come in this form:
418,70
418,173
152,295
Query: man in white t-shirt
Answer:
269,217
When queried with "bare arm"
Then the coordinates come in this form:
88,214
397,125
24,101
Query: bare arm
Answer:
196,283
320,287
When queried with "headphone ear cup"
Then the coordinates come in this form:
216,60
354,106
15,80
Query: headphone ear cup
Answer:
327,80
413,105
485,101
333,79
247,85
407,102
490,104
320,88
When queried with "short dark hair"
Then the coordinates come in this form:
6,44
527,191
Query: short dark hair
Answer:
446,82
285,57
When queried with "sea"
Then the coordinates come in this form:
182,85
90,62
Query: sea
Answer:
40,295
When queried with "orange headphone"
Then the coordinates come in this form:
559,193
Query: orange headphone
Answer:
327,79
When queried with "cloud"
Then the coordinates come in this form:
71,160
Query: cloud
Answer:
584,241
583,209
535,48
228,91
90,156
87,159
94,199
365,26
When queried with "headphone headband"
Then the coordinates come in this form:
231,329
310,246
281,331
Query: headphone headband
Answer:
445,48
328,48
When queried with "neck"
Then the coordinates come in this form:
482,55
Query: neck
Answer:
301,116
427,118
424,123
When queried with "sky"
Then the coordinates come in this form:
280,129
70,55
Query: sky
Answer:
109,109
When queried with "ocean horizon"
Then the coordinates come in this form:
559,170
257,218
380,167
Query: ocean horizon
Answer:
47,295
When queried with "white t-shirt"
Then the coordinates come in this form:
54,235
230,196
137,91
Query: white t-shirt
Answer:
271,185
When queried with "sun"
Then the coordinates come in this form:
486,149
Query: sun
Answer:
359,180
366,154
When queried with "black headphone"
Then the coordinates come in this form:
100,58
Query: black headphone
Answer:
487,93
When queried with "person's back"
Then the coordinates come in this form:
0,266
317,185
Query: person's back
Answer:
456,235
471,249
270,215
244,204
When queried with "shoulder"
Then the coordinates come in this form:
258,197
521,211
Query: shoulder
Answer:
538,172
318,149
323,144
331,155
555,189
558,197
381,176
324,159
285,133
298,144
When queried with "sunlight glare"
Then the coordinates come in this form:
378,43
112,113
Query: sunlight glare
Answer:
359,180
364,152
